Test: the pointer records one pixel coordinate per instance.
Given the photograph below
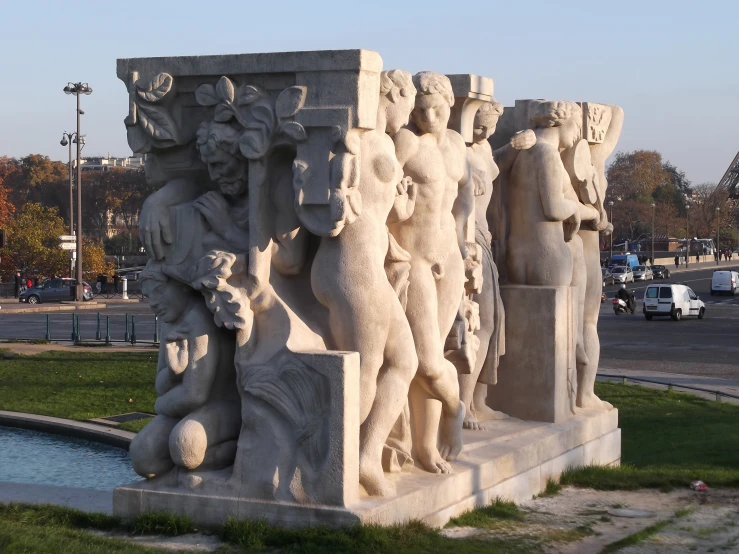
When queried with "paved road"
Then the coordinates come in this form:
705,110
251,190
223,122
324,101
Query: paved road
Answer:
708,347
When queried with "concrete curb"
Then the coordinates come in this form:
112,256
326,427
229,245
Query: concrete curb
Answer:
54,308
67,427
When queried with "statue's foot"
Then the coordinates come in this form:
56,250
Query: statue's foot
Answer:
486,413
373,479
433,462
450,439
470,422
592,402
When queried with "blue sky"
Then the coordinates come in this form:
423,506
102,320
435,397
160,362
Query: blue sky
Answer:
672,65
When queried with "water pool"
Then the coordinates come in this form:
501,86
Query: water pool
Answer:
45,459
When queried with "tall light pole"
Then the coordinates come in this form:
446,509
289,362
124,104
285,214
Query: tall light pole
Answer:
718,240
610,205
653,205
78,89
687,234
67,140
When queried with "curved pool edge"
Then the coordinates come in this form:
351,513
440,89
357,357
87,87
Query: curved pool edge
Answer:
68,427
86,500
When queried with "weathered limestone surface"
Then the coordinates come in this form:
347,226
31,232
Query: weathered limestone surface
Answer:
537,382
513,460
325,243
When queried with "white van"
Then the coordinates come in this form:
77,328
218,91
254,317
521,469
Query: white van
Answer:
724,281
675,301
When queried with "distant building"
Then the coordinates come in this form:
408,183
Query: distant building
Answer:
100,163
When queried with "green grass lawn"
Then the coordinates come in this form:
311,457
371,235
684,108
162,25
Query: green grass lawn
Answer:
668,439
79,385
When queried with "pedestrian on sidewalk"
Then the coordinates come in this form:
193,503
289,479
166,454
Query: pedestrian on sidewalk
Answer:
116,278
677,261
697,258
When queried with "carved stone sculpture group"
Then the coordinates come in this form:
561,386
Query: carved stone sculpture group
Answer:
295,227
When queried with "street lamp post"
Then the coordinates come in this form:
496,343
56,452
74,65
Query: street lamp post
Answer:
653,205
78,89
67,140
687,234
610,205
718,239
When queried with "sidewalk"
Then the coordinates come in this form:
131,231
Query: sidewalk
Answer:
693,266
728,386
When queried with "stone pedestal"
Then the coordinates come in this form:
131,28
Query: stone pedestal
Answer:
537,375
512,460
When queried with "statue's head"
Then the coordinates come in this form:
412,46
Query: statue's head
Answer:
566,116
397,98
218,144
168,298
486,119
434,101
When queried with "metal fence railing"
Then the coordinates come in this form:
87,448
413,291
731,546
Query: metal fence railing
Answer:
84,328
670,386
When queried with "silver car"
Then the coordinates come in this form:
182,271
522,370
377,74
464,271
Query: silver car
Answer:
622,274
643,273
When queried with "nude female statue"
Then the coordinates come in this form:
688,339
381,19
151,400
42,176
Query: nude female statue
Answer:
542,219
484,170
348,277
435,159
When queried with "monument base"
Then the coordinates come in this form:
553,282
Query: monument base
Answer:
513,460
537,375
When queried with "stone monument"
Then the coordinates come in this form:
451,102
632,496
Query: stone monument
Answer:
333,319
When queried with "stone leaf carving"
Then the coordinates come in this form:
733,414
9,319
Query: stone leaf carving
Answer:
156,89
221,279
156,122
252,107
149,121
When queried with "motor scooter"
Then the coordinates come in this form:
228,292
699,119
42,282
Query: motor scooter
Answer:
619,306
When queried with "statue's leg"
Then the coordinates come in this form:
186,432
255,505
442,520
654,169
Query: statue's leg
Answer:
449,287
399,368
150,447
586,372
432,378
579,281
468,382
214,426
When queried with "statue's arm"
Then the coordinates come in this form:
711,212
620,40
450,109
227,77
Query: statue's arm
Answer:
506,155
155,227
549,176
291,239
464,205
197,379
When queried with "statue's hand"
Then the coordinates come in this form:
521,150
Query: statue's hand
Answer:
215,209
571,226
405,201
523,140
473,269
155,228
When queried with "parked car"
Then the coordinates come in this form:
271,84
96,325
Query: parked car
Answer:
676,301
660,271
643,273
607,276
623,274
54,290
724,281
